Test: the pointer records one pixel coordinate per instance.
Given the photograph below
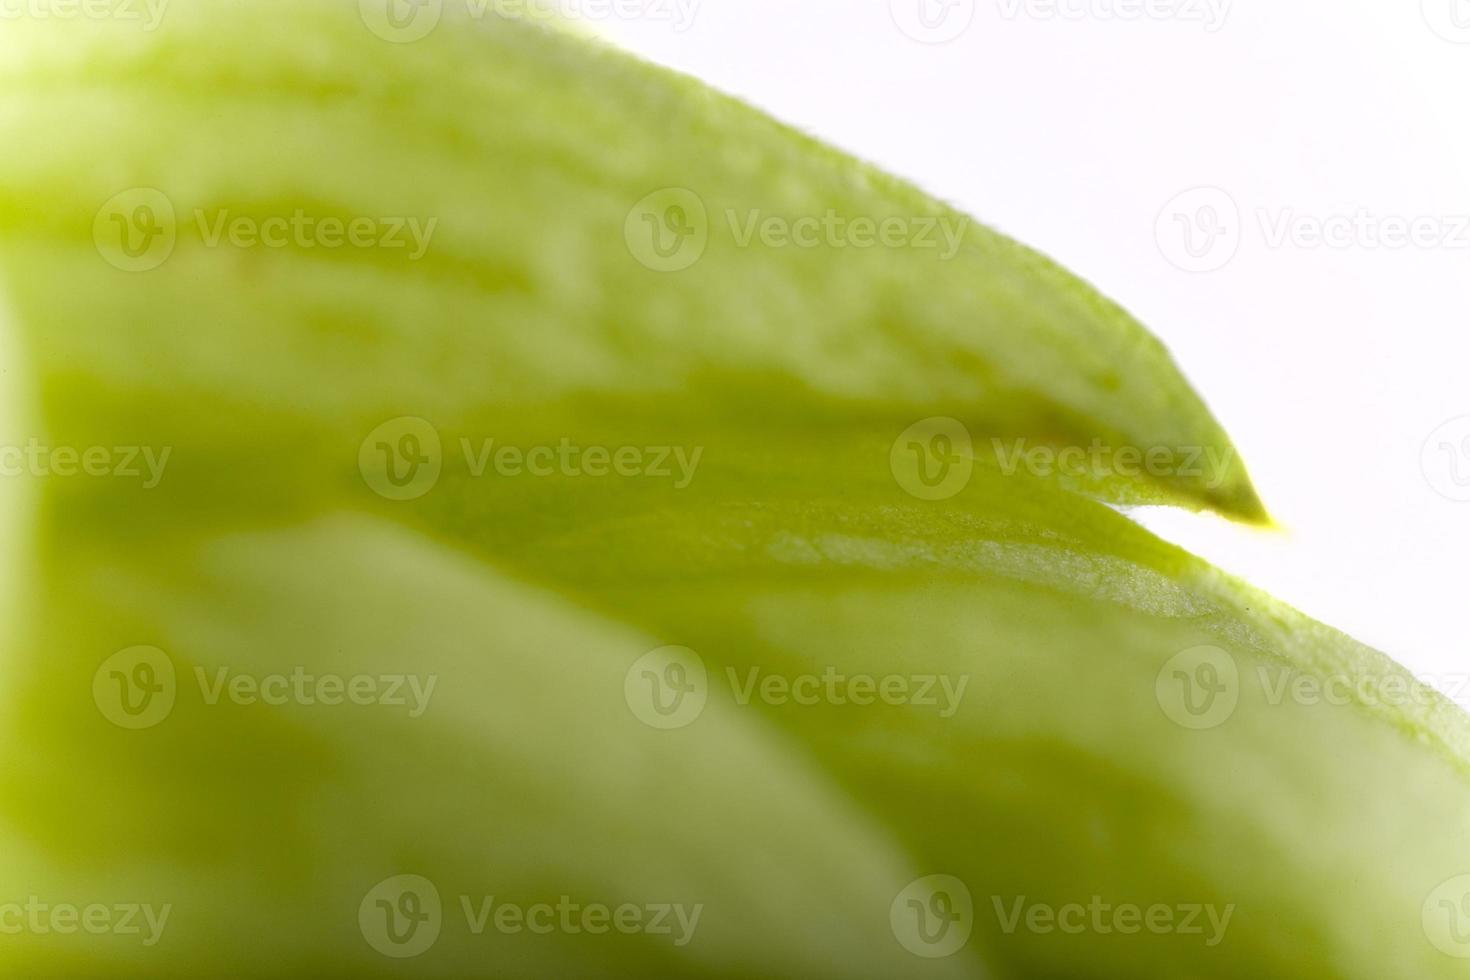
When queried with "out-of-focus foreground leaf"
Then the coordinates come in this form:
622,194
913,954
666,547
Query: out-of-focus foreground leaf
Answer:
330,503
542,172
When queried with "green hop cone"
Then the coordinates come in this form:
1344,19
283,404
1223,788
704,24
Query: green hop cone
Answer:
478,505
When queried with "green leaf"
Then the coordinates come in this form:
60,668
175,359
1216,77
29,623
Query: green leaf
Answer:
525,777
1309,799
537,168
821,480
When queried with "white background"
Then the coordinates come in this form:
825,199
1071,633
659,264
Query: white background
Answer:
1074,125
